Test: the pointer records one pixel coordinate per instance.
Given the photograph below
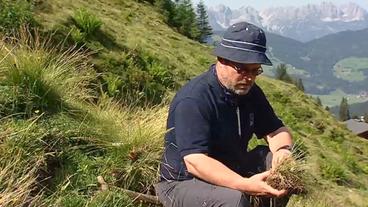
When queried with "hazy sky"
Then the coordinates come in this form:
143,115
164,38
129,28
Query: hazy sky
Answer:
261,4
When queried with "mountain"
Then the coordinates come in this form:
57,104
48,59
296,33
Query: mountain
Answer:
319,58
301,23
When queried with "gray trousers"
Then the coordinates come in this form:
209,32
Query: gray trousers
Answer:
195,192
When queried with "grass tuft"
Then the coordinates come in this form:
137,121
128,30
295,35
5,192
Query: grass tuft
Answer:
39,78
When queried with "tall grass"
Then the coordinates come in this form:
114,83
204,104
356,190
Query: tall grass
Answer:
74,139
17,186
40,78
21,157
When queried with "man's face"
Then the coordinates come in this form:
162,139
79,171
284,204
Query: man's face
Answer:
237,77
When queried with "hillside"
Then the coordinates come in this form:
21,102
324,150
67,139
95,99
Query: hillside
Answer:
59,132
132,25
319,57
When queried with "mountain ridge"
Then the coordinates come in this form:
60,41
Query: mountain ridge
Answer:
303,23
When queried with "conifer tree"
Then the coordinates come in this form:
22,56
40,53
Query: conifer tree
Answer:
185,19
300,85
319,102
202,21
281,73
344,113
168,9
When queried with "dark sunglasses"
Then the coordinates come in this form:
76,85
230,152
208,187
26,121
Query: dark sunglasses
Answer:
241,69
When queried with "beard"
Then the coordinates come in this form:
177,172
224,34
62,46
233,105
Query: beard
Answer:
241,91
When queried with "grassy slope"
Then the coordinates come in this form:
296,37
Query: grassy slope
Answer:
123,145
333,151
134,25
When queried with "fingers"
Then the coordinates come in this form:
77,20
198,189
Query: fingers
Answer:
263,176
272,192
277,193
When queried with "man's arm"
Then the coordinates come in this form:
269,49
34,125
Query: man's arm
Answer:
280,143
213,171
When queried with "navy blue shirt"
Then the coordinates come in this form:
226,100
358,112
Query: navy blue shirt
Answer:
205,118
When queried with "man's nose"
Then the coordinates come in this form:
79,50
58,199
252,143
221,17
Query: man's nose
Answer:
248,77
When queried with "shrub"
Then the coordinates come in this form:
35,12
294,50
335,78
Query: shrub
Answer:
136,77
86,21
77,36
113,83
13,14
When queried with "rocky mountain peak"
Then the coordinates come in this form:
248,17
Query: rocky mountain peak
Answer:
301,23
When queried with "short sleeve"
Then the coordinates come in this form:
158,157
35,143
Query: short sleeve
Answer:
266,120
192,127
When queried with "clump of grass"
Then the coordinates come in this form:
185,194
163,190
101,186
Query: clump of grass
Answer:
39,77
142,150
289,175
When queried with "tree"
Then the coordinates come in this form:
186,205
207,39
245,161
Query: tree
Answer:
281,73
366,117
300,85
344,113
185,19
202,22
168,9
319,102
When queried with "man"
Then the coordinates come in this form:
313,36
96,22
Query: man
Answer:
210,122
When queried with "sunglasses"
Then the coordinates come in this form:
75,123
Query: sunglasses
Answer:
242,69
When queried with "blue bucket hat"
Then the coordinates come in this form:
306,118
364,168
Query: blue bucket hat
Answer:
243,43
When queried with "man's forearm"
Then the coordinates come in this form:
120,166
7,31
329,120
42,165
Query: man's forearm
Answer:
213,171
279,139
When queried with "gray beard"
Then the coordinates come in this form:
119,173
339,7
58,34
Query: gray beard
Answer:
239,92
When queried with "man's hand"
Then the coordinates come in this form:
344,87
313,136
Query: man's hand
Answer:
280,155
257,186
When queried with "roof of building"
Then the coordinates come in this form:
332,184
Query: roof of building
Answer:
357,127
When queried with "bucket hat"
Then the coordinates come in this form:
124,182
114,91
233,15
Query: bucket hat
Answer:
243,43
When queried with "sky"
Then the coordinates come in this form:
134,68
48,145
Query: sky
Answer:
262,4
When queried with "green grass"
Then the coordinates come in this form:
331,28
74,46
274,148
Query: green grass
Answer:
351,69
321,137
133,26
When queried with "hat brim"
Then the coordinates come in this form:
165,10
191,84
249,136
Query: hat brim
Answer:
241,56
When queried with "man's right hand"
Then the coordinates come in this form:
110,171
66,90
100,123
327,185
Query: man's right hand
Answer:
256,185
